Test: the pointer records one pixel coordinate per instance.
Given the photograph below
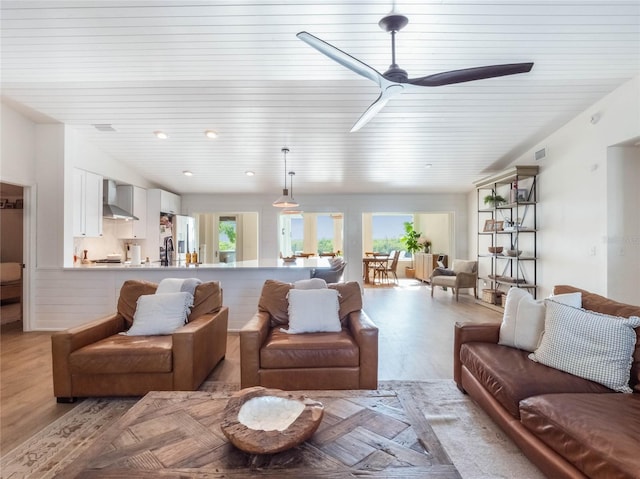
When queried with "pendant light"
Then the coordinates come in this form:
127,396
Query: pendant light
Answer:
290,210
285,201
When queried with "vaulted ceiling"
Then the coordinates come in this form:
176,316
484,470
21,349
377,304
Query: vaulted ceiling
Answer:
184,67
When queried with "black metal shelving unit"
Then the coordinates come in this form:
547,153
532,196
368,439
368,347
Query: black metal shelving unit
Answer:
512,225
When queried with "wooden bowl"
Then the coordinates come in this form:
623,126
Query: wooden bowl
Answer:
513,252
265,421
496,249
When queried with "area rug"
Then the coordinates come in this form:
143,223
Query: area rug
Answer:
476,446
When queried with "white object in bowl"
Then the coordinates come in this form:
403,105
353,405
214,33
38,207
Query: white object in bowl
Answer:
269,413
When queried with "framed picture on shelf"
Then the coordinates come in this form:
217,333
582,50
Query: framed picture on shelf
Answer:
522,195
3,203
488,226
19,203
498,225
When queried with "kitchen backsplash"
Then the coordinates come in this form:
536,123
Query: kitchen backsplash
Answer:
109,243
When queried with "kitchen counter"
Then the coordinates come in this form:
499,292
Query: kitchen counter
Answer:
253,264
71,296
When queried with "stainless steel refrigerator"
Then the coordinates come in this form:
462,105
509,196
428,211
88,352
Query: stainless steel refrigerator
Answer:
177,233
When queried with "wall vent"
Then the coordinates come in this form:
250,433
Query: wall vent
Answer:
103,127
541,154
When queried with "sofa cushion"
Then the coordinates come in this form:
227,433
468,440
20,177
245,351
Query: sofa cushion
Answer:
120,354
207,298
273,300
522,321
312,350
464,266
349,297
591,345
311,283
577,427
160,313
130,291
446,281
510,376
595,302
313,311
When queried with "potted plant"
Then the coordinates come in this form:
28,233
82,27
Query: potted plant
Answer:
494,200
410,240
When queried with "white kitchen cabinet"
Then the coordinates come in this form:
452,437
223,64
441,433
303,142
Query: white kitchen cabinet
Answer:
87,204
134,200
169,203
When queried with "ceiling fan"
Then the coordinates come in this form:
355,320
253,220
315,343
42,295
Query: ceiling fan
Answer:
395,80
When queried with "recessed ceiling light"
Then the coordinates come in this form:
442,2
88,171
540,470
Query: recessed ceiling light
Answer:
249,173
161,134
187,173
210,134
428,165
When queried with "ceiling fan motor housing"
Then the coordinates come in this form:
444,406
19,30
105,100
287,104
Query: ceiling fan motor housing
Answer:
396,74
393,23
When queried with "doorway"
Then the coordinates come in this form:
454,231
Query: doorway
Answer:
11,255
227,237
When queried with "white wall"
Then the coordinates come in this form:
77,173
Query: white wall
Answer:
17,148
435,227
573,216
622,242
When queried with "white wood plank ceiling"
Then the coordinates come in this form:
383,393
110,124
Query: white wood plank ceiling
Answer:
237,68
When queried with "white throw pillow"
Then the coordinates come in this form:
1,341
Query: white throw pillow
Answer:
523,320
590,345
313,310
160,313
312,283
570,299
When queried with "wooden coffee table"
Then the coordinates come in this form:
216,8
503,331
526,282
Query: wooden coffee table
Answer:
177,434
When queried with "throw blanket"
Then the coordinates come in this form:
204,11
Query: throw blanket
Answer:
445,272
178,285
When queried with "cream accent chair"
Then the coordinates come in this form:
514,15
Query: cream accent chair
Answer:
464,274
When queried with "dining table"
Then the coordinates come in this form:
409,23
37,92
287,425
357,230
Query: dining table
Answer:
370,263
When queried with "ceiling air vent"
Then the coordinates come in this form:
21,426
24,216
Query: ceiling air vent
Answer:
540,154
103,127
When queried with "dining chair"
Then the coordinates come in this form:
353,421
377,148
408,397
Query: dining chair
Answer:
390,268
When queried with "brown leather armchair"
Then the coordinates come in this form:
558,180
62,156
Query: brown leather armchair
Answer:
464,274
272,358
95,360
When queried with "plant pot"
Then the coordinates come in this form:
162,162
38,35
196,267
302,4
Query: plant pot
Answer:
409,272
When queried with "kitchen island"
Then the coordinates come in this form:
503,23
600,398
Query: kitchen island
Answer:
71,296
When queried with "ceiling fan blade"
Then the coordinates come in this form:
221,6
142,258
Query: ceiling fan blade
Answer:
343,58
376,106
471,74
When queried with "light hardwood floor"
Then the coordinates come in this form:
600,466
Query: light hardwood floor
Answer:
415,343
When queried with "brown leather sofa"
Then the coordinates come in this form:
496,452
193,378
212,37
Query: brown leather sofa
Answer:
342,360
94,360
568,426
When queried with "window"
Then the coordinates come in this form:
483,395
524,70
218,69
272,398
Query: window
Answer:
310,233
386,231
381,232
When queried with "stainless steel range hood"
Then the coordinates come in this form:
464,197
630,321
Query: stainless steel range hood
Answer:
110,209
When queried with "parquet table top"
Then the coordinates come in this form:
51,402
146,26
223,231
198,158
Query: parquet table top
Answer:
177,435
